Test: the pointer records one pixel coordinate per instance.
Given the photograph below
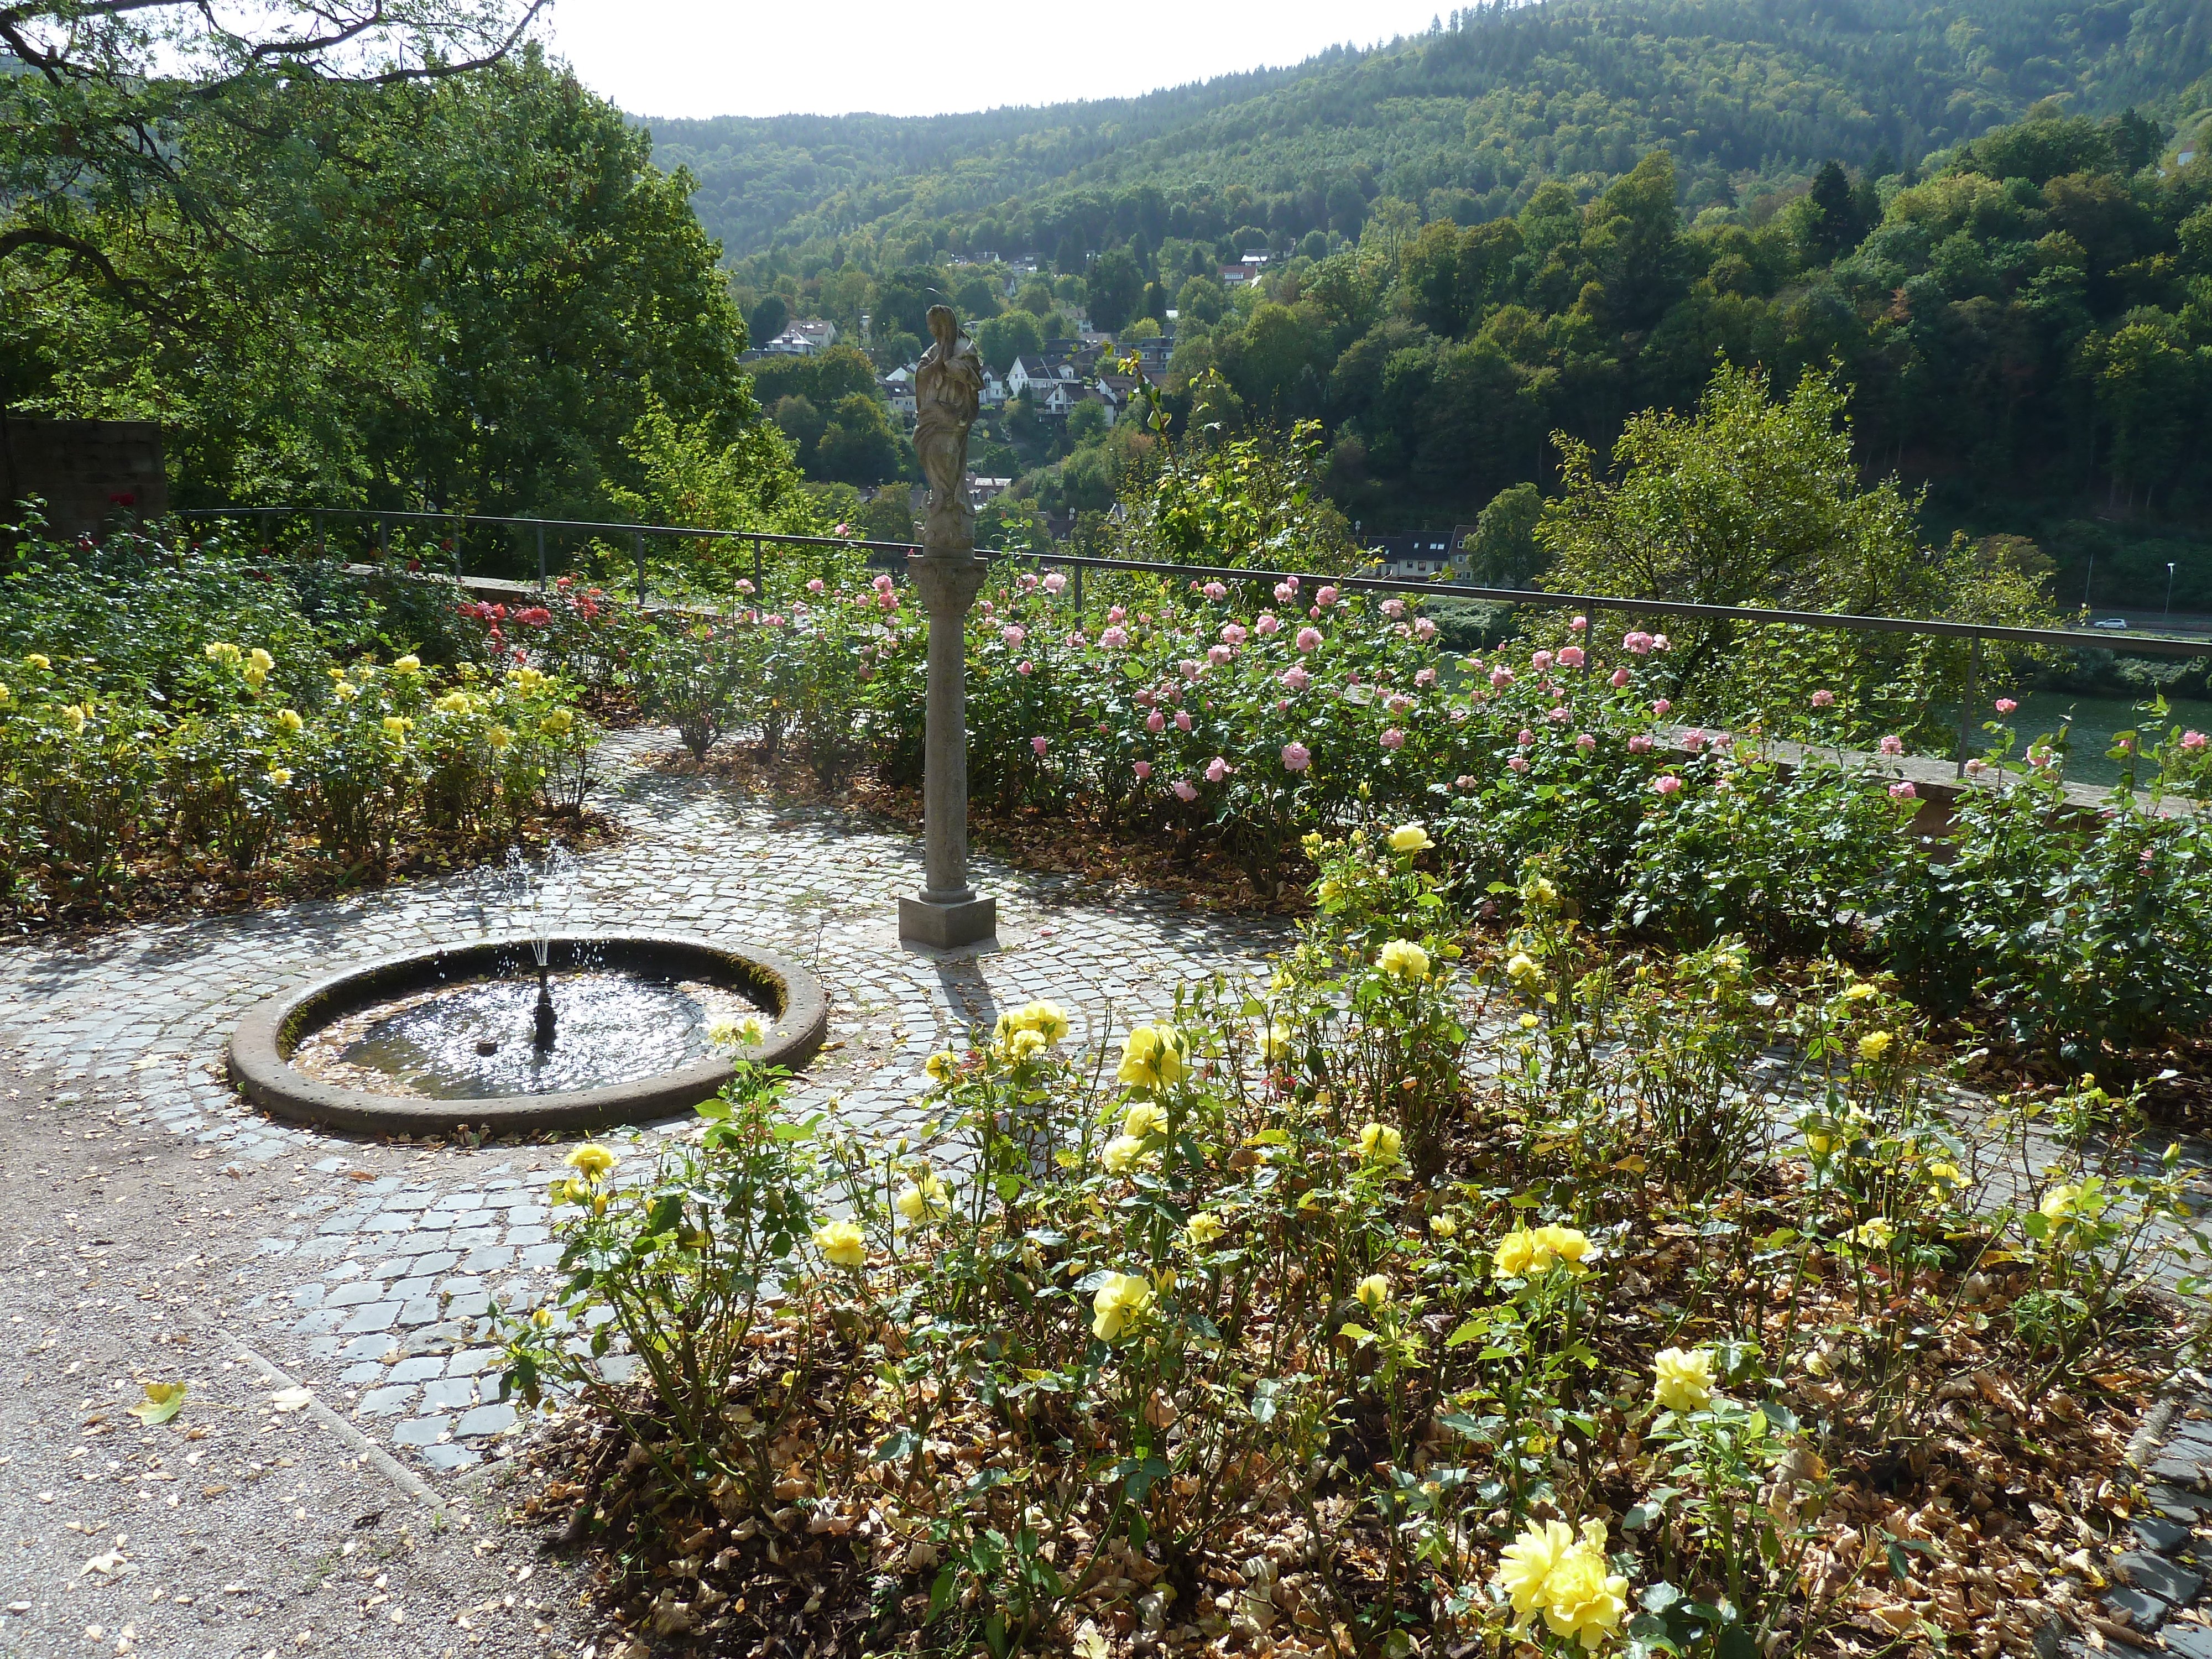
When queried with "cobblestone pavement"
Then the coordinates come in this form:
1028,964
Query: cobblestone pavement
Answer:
375,1259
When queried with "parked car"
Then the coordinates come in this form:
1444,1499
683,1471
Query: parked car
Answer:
2115,624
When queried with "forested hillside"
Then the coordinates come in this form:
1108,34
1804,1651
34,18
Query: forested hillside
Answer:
1466,121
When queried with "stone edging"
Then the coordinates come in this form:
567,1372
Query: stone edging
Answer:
260,1046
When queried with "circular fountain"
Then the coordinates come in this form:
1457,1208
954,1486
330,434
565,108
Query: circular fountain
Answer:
540,1029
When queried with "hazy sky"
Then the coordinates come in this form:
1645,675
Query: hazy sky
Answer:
696,57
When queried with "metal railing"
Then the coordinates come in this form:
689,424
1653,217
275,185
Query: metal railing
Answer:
892,556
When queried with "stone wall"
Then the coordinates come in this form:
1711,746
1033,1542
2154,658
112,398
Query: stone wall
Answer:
89,473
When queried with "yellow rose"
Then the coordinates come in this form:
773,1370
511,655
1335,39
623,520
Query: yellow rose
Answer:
1874,1044
3,696
1529,1022
345,691
1945,1174
1524,1567
841,1245
1205,1227
927,1198
1379,1143
556,721
562,1191
1144,1120
1683,1379
407,665
1443,1226
1151,1057
1119,1155
73,717
1403,959
1025,1045
1565,1245
1047,1019
1526,1251
1543,892
261,660
281,776
1410,838
217,651
1274,1042
255,675
395,727
1521,967
942,1067
1121,1302
1584,1599
1372,1292
592,1161
290,719
2063,1204
38,660
1859,992
454,703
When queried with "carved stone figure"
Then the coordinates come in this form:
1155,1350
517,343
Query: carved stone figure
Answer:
948,391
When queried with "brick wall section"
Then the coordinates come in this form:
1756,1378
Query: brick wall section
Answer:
88,472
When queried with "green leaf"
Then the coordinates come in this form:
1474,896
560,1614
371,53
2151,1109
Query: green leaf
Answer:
163,1400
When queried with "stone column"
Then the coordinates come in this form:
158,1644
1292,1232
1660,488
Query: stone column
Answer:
948,913
948,575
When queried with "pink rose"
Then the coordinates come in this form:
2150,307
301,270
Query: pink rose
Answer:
1424,676
1398,703
1013,635
1393,608
1661,642
1639,745
1516,763
1119,613
1184,790
1571,656
1267,627
1216,769
1296,758
1561,715
1143,770
815,586
882,583
1423,628
1216,590
1029,583
1464,781
1668,785
1156,721
1526,738
1694,740
1636,642
1114,639
1054,582
1286,590
2192,740
744,586
1025,667
1458,716
1393,739
1579,623
1661,708
1619,678
1038,744
1218,655
1500,677
1903,791
1824,700
1541,660
1309,639
1892,745
1584,742
1295,677
1282,705
1976,767
1724,740
2006,705
1182,720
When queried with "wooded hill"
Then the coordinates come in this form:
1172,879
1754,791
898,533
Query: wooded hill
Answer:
1465,120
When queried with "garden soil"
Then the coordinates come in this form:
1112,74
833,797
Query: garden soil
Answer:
236,1527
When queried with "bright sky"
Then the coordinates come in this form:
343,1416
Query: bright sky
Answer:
700,58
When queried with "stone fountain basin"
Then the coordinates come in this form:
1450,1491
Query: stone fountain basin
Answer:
262,1046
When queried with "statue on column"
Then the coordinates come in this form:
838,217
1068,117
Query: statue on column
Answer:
948,391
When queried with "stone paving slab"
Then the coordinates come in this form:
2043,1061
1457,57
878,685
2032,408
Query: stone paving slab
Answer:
380,1283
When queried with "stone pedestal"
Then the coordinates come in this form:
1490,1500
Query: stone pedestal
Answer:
948,912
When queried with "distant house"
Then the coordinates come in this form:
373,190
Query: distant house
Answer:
1030,372
897,388
803,339
1151,355
1053,396
1105,400
1236,276
994,388
1410,558
980,490
1255,257
1116,391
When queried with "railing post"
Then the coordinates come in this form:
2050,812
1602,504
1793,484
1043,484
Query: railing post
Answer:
322,541
383,538
541,558
1967,706
1078,593
637,546
760,577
